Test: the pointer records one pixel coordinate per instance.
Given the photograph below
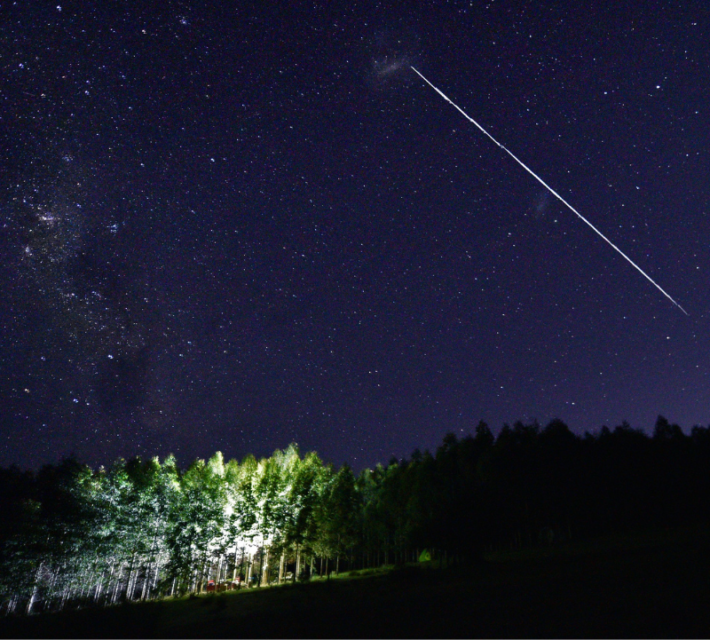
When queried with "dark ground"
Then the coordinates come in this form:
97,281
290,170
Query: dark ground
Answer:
646,585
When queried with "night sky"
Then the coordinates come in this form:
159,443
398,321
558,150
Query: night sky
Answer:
233,225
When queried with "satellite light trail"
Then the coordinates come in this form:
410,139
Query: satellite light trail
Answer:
551,190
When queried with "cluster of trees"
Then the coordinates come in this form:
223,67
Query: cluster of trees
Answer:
73,536
144,529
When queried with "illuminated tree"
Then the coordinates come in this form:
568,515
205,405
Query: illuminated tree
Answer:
301,530
198,520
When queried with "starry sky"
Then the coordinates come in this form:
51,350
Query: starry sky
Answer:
233,225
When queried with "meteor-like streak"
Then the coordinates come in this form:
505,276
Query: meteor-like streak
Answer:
552,191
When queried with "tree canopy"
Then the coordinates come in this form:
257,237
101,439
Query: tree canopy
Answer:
76,536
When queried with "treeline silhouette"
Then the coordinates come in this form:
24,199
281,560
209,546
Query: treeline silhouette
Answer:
72,536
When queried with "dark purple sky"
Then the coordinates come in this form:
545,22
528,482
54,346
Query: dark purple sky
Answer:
236,226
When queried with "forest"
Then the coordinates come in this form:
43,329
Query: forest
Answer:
72,536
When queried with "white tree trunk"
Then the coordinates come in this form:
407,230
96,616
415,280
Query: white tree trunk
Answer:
146,579
31,601
265,568
281,566
114,595
234,573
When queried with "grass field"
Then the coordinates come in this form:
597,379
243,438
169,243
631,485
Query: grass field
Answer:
655,584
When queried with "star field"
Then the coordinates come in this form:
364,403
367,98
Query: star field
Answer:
236,226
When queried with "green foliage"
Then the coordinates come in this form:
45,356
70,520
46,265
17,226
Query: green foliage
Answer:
139,530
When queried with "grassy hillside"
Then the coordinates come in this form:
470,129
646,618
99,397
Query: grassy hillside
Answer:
646,585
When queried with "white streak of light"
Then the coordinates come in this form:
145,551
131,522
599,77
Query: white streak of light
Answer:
553,192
